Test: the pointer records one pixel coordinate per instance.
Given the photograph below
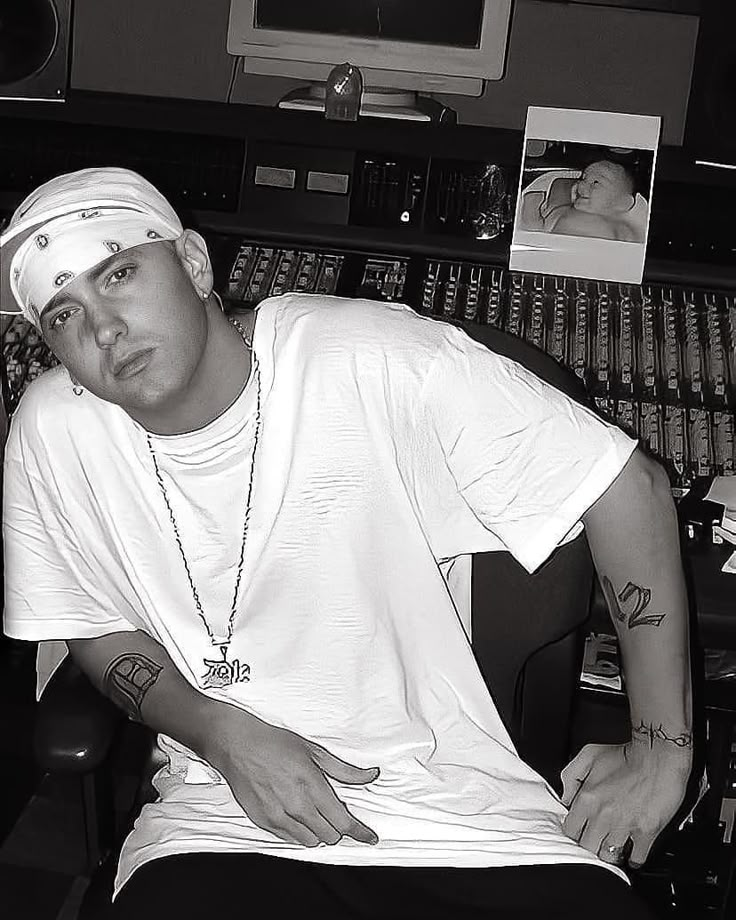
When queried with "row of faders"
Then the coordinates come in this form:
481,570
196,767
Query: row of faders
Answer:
691,442
627,341
459,290
266,271
658,361
26,356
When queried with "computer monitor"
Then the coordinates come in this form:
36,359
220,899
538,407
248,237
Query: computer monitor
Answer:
426,46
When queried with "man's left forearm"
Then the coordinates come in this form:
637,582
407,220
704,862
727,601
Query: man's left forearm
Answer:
633,535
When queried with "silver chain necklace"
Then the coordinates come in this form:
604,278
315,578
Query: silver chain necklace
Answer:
222,673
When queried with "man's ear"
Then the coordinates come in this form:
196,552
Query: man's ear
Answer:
194,257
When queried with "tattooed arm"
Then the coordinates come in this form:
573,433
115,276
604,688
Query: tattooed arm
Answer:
620,793
137,674
280,779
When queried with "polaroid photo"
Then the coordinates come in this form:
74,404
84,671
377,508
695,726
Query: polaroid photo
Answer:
585,194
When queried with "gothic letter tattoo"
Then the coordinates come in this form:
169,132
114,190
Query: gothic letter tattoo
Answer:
652,734
127,679
639,601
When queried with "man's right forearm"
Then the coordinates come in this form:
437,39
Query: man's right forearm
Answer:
137,674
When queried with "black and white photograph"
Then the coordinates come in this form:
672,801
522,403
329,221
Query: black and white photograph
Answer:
367,460
585,194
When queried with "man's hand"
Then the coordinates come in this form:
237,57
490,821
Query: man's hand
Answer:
618,793
279,778
281,782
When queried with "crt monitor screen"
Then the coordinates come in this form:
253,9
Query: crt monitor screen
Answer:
430,46
429,22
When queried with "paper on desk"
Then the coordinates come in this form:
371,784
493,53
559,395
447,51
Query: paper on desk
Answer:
729,566
723,492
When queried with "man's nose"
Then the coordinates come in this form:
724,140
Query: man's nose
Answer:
107,326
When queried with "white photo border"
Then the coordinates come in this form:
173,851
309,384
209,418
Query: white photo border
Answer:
575,256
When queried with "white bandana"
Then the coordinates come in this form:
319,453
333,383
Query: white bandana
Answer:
65,247
50,258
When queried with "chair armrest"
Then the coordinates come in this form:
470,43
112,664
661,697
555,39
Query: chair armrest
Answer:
75,724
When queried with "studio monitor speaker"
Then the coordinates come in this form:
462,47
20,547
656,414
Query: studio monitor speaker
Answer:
710,133
34,48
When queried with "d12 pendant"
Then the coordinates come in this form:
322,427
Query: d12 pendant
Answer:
224,673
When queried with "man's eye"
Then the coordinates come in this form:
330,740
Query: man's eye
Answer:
61,319
120,275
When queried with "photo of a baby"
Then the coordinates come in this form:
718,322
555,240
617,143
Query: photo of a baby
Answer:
600,199
585,193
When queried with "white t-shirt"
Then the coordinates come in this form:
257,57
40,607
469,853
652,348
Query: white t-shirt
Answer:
390,444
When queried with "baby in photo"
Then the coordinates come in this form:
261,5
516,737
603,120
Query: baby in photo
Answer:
600,202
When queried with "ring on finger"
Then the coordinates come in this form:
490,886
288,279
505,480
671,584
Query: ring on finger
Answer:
614,854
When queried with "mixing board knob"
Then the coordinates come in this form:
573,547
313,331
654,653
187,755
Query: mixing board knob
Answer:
470,311
626,346
495,298
651,427
701,453
603,338
449,300
724,442
559,322
430,287
675,443
582,326
717,364
649,345
671,350
516,306
693,351
627,416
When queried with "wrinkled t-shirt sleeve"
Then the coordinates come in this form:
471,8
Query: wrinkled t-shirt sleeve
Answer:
526,459
52,587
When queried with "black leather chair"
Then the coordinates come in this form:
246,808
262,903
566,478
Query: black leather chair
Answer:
527,638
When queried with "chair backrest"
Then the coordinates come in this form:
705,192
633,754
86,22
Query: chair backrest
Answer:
526,629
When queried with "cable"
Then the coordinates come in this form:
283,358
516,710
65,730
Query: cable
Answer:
238,60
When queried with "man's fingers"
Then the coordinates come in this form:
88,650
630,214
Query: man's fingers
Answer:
293,831
615,849
331,806
320,826
341,770
640,850
571,785
574,774
361,832
574,825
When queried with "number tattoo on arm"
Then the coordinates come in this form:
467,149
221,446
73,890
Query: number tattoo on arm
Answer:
636,600
127,679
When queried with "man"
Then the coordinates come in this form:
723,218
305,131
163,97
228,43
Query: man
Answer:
602,203
245,537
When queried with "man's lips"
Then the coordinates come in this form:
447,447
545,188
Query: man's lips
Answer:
131,364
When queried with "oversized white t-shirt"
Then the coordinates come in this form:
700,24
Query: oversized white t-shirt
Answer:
390,444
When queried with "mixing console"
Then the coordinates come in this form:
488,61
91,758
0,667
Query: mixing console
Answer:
657,360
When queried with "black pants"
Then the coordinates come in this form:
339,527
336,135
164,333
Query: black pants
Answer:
202,885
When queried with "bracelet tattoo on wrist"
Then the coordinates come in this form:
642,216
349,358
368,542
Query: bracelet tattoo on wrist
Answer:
651,734
127,679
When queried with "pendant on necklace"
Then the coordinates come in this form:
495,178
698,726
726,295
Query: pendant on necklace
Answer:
224,673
